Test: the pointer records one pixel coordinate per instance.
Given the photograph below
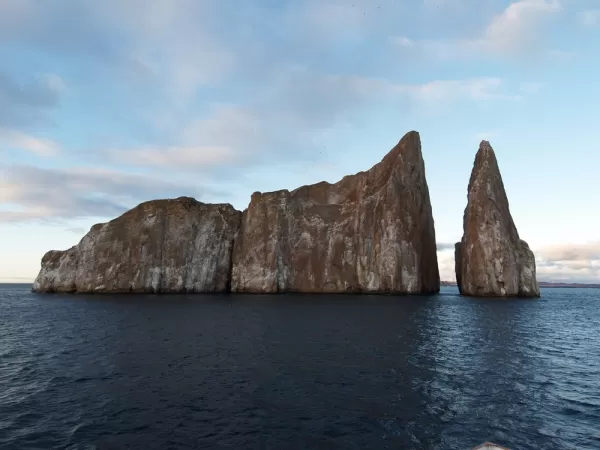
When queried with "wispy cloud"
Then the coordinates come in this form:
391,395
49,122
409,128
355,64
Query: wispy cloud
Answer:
332,18
574,272
27,101
589,18
514,32
171,43
180,157
445,246
446,265
530,87
569,262
50,194
21,141
77,230
571,252
297,104
176,40
518,26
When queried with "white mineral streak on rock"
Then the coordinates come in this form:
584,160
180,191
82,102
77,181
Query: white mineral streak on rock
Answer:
178,245
370,232
491,260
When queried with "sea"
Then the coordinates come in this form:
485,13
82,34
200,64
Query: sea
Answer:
299,371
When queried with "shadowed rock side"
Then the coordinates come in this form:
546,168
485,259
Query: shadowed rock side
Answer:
179,245
491,260
370,232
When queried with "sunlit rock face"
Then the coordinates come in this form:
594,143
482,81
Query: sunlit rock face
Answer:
372,232
491,260
161,246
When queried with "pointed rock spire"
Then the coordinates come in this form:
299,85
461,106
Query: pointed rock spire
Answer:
491,260
371,232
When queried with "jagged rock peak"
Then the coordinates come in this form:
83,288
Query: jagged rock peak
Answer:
369,232
491,259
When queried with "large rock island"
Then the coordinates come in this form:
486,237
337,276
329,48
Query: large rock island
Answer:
371,232
491,260
178,245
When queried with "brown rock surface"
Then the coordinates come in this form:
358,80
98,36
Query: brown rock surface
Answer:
369,232
491,260
178,245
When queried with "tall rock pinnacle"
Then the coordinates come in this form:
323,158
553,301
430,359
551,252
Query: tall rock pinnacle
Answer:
491,260
371,232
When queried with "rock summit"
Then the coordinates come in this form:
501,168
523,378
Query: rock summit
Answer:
491,260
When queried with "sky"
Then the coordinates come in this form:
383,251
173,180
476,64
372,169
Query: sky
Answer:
106,104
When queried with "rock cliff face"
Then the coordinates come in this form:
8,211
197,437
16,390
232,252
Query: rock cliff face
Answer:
370,232
178,245
491,260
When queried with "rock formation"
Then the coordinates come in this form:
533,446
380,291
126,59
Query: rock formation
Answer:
368,233
491,260
371,232
178,245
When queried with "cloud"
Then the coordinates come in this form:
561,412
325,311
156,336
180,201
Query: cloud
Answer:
571,252
180,46
28,101
169,43
180,157
177,40
444,246
341,17
514,32
40,146
590,18
34,193
568,273
55,83
296,106
569,262
530,87
51,26
77,230
443,91
228,137
446,265
518,26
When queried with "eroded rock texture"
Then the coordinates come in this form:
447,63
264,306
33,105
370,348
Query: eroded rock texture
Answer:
370,232
178,245
491,260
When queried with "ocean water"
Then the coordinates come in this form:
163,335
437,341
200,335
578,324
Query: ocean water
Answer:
299,372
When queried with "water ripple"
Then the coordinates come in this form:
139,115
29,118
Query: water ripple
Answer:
290,372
